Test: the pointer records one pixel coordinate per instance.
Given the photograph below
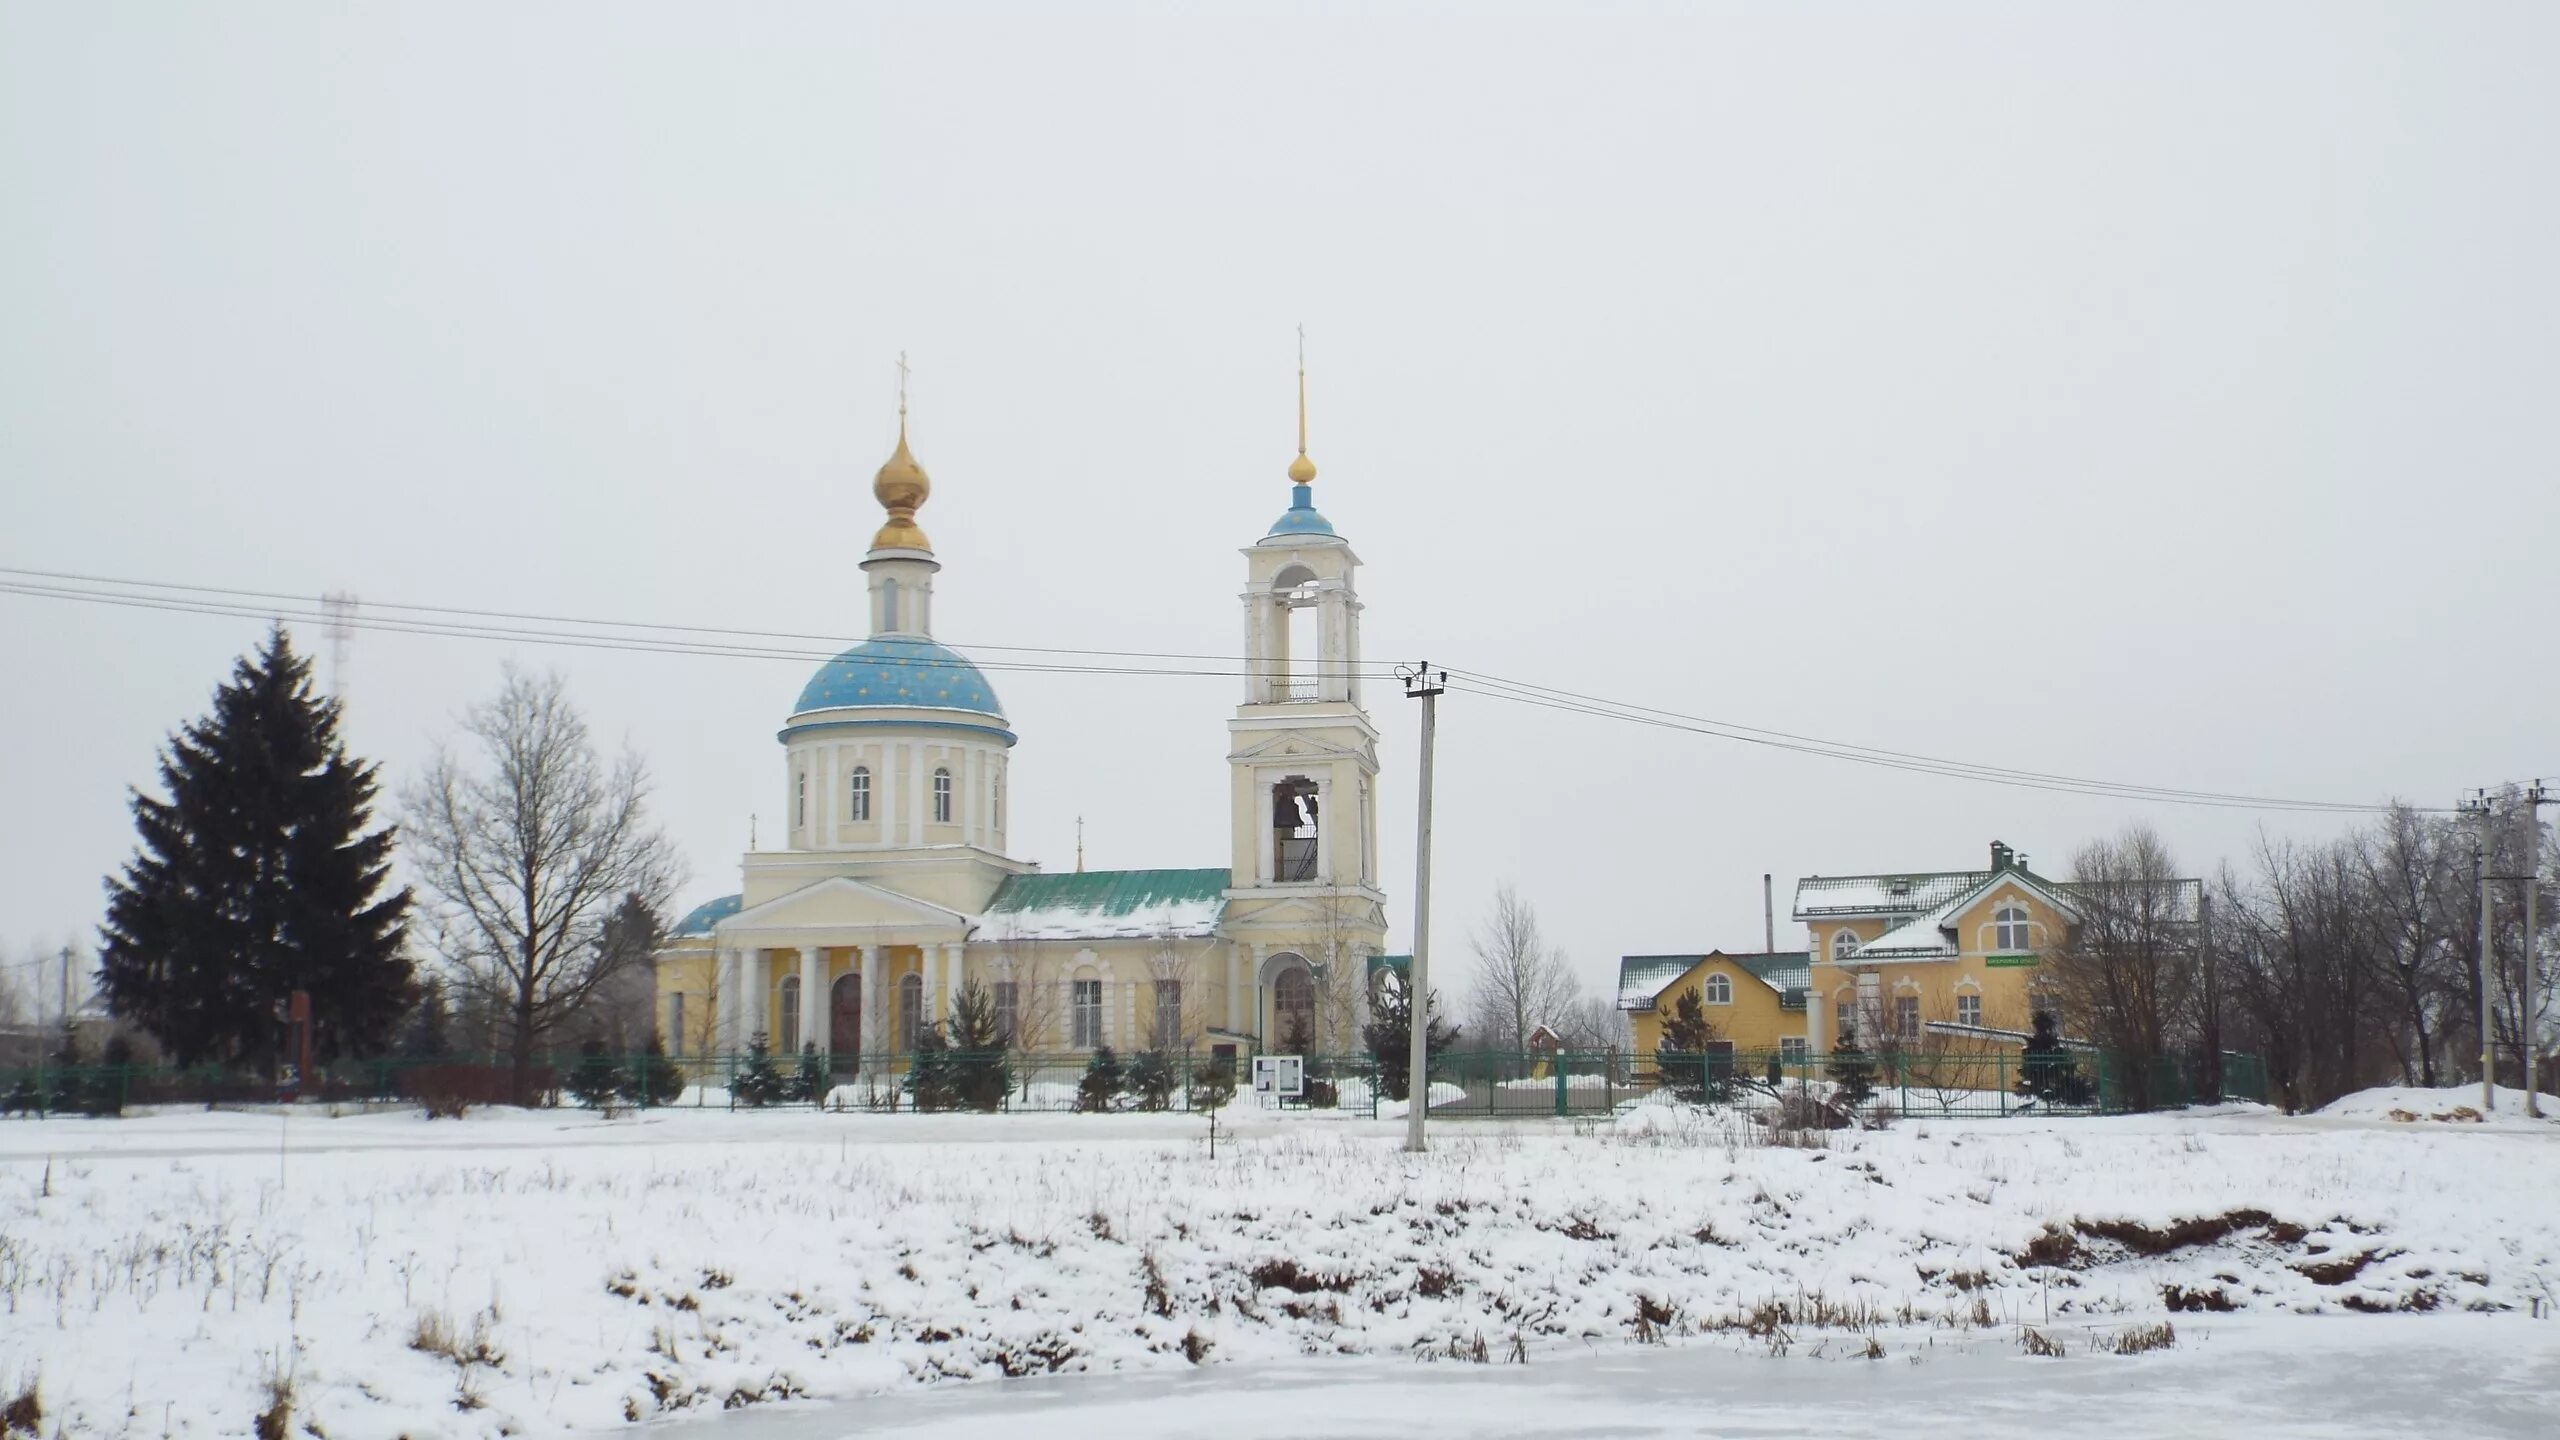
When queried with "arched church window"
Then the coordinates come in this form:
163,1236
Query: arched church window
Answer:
942,797
999,802
789,1029
1293,1008
800,798
860,806
910,1011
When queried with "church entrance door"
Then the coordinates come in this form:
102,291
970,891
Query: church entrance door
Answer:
844,1022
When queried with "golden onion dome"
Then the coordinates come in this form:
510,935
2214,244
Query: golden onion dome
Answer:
1302,470
900,487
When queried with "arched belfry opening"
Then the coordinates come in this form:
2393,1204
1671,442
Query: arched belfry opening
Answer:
1297,823
1298,637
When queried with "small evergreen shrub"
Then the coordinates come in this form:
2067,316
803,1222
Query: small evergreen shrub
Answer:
596,1080
1853,1070
757,1084
1103,1081
1150,1080
655,1081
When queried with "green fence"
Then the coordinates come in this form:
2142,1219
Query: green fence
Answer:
1982,1082
1919,1083
934,1081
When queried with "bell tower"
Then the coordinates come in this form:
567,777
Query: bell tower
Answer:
1303,903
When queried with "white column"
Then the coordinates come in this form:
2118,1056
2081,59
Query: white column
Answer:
830,772
1262,832
752,975
1324,830
813,967
918,803
1816,1039
1235,988
731,980
953,957
932,962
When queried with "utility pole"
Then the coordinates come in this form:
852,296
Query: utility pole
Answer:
2478,809
2535,798
1420,684
2212,1076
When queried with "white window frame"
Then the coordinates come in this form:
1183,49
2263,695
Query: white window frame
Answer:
1792,1050
1084,1013
910,1011
858,801
2012,929
1968,1008
1007,997
1167,1029
942,795
787,1009
1844,945
1719,990
1906,1018
800,798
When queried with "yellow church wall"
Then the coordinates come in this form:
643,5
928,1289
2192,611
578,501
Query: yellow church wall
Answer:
1754,1021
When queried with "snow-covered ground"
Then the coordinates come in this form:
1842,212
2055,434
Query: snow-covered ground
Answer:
550,1273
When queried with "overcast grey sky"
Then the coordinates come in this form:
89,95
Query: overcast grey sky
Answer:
2153,392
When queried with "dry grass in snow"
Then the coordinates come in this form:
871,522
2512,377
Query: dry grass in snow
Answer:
555,1276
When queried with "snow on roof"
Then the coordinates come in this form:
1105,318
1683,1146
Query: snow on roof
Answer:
1108,905
1925,937
1908,894
1643,978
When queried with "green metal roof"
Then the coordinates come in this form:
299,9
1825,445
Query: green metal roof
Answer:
1101,904
1643,978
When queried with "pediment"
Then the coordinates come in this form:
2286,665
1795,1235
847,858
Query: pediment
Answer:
840,903
1291,745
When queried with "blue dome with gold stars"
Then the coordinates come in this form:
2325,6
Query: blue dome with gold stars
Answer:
900,670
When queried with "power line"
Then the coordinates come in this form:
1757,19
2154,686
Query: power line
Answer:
1571,702
1378,671
745,643
1229,666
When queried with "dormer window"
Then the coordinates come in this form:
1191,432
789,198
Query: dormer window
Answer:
1719,990
1844,945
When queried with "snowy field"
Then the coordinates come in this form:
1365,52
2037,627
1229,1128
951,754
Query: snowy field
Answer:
755,1276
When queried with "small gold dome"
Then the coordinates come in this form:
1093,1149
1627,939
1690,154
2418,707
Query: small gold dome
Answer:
1302,470
900,487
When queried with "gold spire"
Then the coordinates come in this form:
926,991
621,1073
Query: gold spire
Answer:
901,485
1302,471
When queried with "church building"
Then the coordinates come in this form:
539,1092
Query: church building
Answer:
899,885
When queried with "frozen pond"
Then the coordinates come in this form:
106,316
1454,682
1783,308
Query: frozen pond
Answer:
2266,1378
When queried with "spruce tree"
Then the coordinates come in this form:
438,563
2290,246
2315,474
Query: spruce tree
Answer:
1681,1057
980,1077
655,1080
597,1080
1100,1088
813,1082
1389,1034
2047,1071
1150,1079
1852,1070
757,1083
257,877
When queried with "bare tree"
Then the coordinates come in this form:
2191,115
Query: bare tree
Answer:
529,848
2412,891
2128,973
1521,982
